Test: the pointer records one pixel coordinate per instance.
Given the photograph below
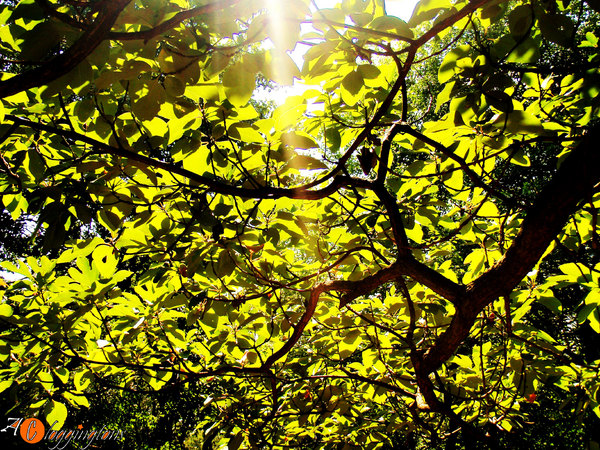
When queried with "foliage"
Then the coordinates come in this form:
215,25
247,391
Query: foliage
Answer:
355,265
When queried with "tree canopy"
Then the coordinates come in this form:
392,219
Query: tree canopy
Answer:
408,245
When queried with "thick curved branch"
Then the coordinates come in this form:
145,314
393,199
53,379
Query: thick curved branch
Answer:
216,186
311,306
398,231
69,59
573,181
438,283
354,289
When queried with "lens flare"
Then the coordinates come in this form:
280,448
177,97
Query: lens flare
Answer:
283,29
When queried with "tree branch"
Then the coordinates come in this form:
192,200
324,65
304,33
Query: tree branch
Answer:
69,59
551,210
473,176
301,192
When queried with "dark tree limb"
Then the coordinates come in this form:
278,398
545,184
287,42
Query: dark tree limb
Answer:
576,177
220,187
354,289
63,63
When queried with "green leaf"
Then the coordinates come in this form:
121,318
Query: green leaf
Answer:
161,378
594,320
280,67
353,82
35,49
368,71
333,138
239,82
296,140
305,162
80,76
499,100
520,122
36,164
104,261
449,64
557,28
174,86
146,101
551,302
352,336
492,12
82,380
284,38
520,159
5,384
427,10
5,310
520,20
63,374
226,264
56,414
591,40
394,24
76,400
218,62
109,220
525,51
584,312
